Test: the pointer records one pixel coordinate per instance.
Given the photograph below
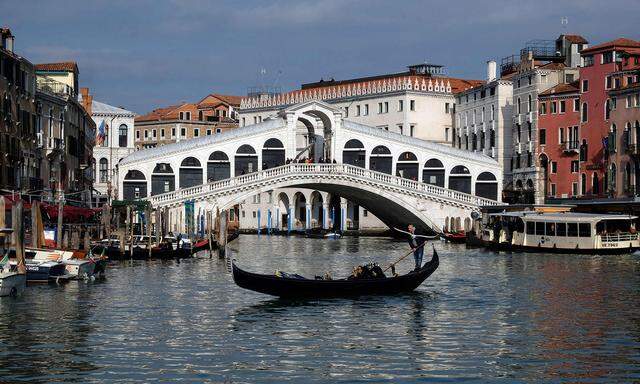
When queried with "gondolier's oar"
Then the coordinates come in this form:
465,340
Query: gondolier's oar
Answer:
411,234
392,265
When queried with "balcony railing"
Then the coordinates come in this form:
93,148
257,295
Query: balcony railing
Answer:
617,237
48,85
570,146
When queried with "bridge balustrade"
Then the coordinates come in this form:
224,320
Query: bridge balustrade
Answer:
326,169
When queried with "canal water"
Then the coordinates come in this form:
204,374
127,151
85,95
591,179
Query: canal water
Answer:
481,317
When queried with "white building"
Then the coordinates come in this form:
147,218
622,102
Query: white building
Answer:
483,118
418,102
118,143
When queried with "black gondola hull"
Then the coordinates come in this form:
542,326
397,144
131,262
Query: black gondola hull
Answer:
300,288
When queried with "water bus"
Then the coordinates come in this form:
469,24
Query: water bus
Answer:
561,231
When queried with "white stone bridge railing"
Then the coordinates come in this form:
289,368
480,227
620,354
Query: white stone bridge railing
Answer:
317,172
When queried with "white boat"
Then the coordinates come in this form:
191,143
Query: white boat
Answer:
561,231
12,283
76,268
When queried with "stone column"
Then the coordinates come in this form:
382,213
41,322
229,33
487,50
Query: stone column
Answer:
307,221
325,215
343,214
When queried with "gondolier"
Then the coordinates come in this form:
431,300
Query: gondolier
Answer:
416,242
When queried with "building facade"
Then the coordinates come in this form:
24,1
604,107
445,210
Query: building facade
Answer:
212,115
417,103
543,64
606,69
66,135
114,141
483,118
18,138
558,145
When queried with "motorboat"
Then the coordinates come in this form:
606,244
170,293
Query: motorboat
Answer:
561,232
300,287
12,283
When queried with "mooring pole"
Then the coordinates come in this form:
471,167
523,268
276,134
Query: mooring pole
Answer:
18,236
148,228
222,235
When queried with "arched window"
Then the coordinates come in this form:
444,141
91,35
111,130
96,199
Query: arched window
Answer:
613,138
433,172
595,185
162,179
190,172
354,153
407,166
246,160
460,179
272,154
218,166
122,135
134,185
583,184
381,160
104,170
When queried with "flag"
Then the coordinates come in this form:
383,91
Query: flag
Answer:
4,261
102,133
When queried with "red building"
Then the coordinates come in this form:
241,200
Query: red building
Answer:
558,141
599,135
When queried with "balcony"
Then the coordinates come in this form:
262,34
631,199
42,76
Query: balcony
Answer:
48,85
571,146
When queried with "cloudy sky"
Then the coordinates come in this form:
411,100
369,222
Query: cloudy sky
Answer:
144,54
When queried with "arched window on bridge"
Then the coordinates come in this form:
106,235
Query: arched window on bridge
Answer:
460,179
190,172
317,211
218,166
433,172
354,153
487,186
381,159
134,185
246,160
407,166
300,211
162,179
272,154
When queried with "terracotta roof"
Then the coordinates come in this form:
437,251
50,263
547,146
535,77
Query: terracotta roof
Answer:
226,99
617,43
561,88
68,66
158,113
576,39
552,65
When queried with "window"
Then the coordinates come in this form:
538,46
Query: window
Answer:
188,115
560,135
379,108
572,229
386,107
607,82
154,133
561,229
543,108
576,105
208,132
357,110
543,136
412,130
366,109
554,107
365,213
122,135
146,134
531,227
585,85
446,107
200,115
563,106
196,132
173,132
529,100
244,122
584,230
587,61
104,170
412,105
167,187
568,78
519,105
550,229
553,189
585,116
400,105
540,228
607,57
218,130
162,133
181,115
183,132
346,111
137,135
575,166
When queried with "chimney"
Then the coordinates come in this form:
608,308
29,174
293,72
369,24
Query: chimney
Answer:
491,71
87,99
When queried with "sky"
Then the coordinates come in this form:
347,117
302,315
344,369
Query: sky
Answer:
146,54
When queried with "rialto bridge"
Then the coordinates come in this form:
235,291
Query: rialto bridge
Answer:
398,178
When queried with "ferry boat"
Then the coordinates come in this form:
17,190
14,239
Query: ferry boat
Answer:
562,232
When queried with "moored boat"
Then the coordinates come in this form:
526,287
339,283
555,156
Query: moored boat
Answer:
561,232
455,237
297,287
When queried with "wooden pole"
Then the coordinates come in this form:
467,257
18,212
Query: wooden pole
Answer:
131,226
35,236
403,257
18,232
148,217
209,234
2,212
222,234
60,231
127,223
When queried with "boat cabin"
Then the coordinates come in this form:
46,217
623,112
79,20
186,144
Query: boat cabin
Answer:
561,231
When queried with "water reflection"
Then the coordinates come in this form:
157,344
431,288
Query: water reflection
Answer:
482,316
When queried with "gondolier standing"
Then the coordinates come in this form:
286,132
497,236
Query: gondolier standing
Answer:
416,242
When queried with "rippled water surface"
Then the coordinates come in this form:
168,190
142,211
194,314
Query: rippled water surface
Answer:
481,317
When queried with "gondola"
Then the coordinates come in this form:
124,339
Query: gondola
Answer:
455,237
288,287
